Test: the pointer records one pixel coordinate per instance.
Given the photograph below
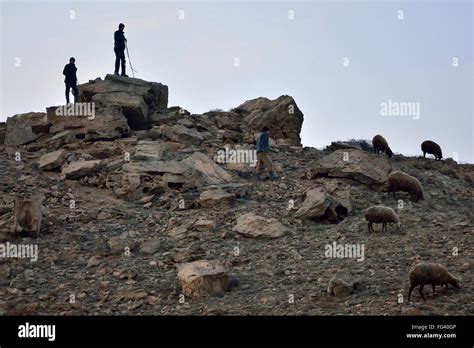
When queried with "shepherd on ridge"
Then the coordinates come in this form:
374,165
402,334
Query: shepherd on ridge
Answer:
119,49
71,79
262,155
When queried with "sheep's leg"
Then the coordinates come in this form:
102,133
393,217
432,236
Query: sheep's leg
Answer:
409,291
369,225
446,289
420,290
15,228
38,228
424,154
384,227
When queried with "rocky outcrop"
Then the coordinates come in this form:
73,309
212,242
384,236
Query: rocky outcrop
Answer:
149,217
25,128
133,107
137,99
182,134
206,171
354,164
108,123
281,115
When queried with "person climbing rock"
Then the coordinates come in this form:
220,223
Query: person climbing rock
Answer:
262,155
71,79
119,49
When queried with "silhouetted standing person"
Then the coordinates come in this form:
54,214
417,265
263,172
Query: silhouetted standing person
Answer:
71,79
119,49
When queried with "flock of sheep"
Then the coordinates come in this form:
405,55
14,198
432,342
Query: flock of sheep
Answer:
423,273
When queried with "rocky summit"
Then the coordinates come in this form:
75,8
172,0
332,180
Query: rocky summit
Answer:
151,209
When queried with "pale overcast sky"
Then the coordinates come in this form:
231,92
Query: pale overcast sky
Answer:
300,53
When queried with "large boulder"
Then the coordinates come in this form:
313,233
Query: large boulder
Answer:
79,169
316,202
193,171
153,150
52,160
182,134
281,115
217,197
254,226
133,107
25,128
203,278
107,123
168,116
354,164
319,204
136,98
155,94
206,171
133,185
339,286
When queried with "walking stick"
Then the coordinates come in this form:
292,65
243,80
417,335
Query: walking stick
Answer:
129,61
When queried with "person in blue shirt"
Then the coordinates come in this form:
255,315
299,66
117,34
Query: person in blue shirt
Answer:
262,155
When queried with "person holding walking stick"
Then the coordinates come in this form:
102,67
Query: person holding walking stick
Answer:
119,49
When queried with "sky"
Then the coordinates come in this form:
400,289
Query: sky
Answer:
340,60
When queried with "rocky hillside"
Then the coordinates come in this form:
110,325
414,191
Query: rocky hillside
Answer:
150,209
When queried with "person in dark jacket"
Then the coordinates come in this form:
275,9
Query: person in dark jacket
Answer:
71,79
262,155
119,49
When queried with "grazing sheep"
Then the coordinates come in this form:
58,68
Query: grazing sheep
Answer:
27,216
432,148
380,145
381,214
430,273
400,181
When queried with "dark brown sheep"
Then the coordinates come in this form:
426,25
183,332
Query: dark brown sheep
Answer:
380,214
27,215
430,273
432,148
400,181
380,145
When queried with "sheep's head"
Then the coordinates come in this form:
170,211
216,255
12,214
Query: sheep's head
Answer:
420,195
389,152
454,282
